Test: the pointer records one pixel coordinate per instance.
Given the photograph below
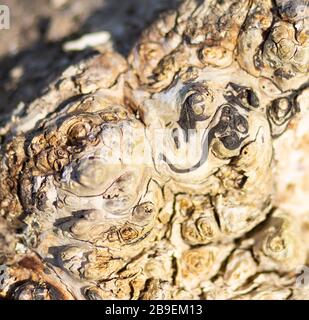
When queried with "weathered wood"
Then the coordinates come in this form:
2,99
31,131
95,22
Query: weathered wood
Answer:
172,173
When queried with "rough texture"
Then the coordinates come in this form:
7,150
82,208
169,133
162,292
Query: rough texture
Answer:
91,206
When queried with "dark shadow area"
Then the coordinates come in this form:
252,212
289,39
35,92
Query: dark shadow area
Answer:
25,74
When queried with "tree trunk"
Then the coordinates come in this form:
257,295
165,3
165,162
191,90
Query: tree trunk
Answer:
177,172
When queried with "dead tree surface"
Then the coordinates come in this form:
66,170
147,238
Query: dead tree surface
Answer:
92,206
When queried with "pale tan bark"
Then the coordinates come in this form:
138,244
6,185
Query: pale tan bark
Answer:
229,223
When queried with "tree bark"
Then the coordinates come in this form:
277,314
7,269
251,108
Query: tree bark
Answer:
178,172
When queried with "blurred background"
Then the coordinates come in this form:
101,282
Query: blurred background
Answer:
32,50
